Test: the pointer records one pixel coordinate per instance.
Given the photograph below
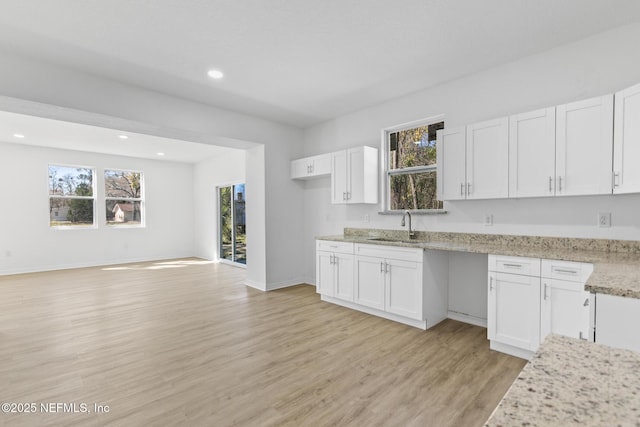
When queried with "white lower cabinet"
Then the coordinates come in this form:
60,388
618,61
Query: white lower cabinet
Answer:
407,285
564,302
370,281
513,315
530,298
390,279
616,321
334,270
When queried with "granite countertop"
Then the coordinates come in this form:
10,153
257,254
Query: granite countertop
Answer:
573,382
616,264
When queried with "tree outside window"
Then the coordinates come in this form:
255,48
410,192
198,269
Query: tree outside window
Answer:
123,197
411,173
71,196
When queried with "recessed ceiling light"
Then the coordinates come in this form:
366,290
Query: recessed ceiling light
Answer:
160,154
215,74
123,137
18,135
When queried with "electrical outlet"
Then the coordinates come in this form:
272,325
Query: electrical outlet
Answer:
604,219
488,219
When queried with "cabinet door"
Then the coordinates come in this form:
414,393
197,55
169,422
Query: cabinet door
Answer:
369,284
299,168
362,175
532,153
321,165
617,319
355,175
451,156
403,290
343,265
339,179
626,145
584,147
325,273
488,159
513,315
564,309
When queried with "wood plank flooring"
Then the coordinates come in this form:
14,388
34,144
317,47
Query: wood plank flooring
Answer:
185,342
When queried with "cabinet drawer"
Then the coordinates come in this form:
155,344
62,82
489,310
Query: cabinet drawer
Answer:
566,270
331,246
514,265
390,252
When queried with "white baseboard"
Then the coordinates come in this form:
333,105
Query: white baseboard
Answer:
466,318
509,349
41,269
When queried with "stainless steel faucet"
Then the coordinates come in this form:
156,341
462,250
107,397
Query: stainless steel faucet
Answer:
411,232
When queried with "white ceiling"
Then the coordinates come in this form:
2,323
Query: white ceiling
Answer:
298,62
72,136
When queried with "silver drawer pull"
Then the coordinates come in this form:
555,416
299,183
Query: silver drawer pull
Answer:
564,271
512,265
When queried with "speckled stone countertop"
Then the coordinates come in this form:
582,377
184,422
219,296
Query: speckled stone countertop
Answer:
573,382
616,263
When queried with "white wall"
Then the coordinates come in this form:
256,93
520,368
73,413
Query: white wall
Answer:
227,169
591,67
29,244
43,89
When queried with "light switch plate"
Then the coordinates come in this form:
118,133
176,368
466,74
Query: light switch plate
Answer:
604,219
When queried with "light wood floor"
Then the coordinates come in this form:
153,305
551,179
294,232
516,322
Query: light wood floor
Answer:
184,342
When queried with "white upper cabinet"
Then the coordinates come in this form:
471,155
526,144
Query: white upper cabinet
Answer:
584,147
626,145
354,176
532,153
451,155
488,159
311,167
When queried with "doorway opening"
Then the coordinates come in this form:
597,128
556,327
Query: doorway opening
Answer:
233,229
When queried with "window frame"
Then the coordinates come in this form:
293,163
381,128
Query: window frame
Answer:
93,197
141,199
386,173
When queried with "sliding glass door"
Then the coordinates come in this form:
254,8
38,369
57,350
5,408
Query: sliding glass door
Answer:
233,237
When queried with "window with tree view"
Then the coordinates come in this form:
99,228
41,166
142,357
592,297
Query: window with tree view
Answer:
71,196
123,197
411,173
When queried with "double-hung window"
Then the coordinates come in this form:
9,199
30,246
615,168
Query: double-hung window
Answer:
71,196
411,166
124,200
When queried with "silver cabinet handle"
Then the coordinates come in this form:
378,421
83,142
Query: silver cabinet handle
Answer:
344,195
560,184
462,189
581,336
387,268
565,271
586,303
382,267
544,296
348,195
335,260
490,283
616,179
310,168
512,265
468,188
550,184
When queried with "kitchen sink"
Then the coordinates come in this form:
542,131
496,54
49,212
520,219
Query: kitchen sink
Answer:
390,239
